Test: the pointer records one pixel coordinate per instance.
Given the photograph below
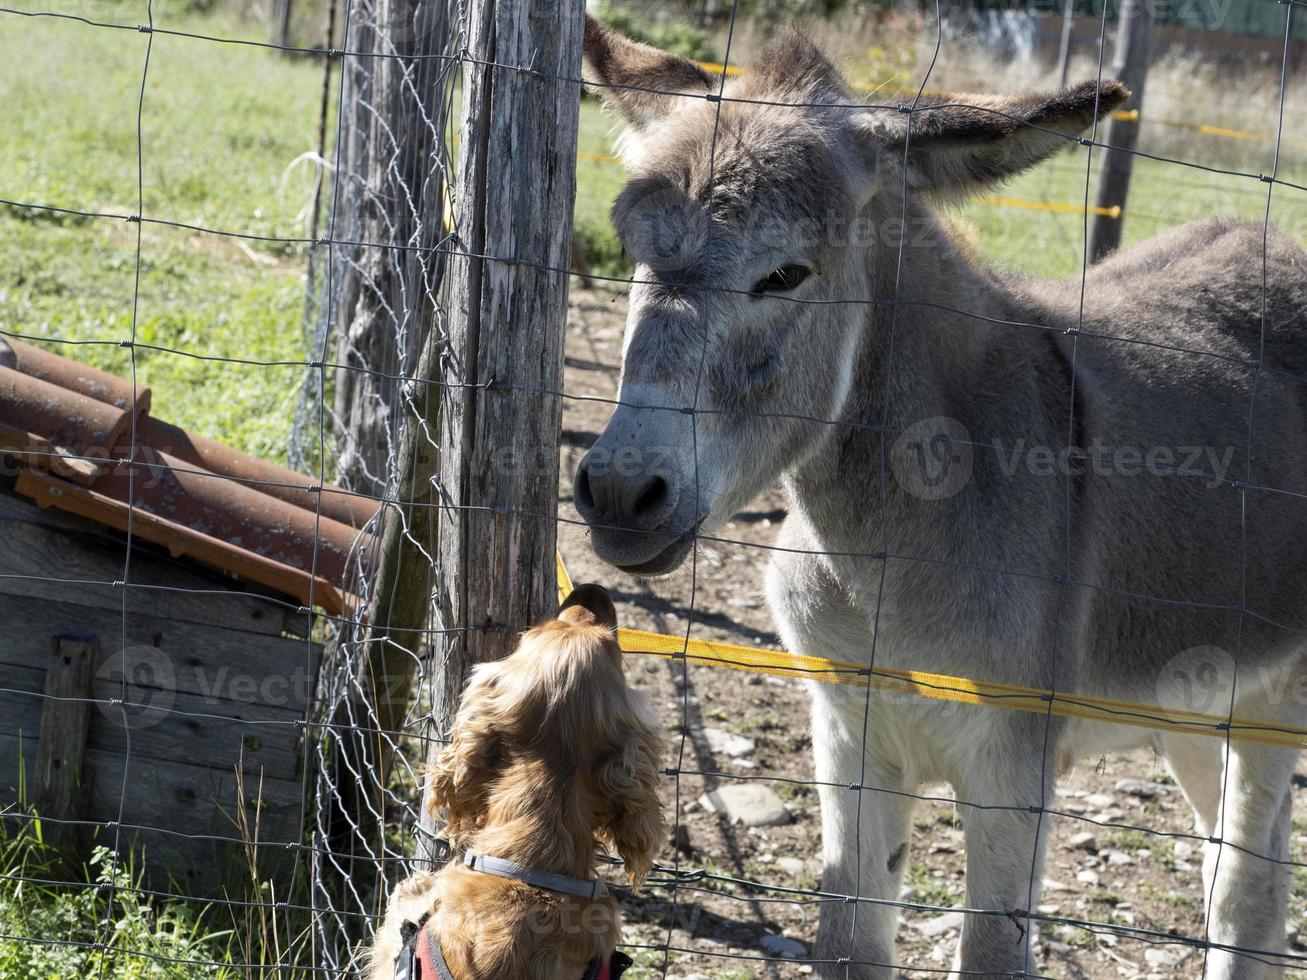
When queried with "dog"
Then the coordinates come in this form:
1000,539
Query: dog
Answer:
551,755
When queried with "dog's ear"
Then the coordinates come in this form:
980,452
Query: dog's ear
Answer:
627,777
463,773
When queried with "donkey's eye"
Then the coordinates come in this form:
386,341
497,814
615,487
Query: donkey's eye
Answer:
782,280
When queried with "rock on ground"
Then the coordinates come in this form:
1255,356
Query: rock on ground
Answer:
941,924
751,804
728,743
790,949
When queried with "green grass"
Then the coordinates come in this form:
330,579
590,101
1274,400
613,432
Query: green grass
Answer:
1129,840
148,940
929,890
53,917
597,185
222,124
1162,195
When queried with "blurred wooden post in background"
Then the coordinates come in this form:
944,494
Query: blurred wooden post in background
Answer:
1064,47
499,433
1133,50
281,13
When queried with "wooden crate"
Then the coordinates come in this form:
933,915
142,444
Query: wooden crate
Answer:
219,680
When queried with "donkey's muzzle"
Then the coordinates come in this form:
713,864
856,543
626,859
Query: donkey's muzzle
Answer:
641,511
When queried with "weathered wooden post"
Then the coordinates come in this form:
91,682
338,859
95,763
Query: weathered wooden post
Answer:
282,13
1133,50
61,790
508,303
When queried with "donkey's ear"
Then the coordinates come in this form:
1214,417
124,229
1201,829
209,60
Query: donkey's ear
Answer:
637,80
960,144
793,69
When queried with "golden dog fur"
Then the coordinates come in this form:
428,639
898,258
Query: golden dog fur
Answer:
551,755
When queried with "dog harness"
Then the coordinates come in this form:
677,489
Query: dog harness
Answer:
420,957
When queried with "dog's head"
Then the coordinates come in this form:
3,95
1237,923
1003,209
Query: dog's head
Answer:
550,743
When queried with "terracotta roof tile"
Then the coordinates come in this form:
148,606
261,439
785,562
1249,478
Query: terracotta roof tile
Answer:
71,427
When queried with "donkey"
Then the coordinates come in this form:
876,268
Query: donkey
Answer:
1096,487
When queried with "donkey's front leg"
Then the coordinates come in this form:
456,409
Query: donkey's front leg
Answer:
865,821
1247,878
1005,841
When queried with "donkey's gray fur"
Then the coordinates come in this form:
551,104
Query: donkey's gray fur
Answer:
985,479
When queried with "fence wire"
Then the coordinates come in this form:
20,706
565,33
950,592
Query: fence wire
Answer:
375,289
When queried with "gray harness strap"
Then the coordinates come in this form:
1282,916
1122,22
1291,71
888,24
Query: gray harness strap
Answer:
437,957
589,888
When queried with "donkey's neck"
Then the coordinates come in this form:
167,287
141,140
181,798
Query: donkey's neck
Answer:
929,337
937,343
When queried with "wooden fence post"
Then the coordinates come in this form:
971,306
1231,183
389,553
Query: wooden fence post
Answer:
282,13
1133,49
508,305
396,120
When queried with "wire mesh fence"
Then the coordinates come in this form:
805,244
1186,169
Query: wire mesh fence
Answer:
378,380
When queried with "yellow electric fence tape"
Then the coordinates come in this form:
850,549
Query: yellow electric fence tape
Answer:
1020,202
942,687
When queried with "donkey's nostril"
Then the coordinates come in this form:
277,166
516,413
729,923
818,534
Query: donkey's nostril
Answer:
582,492
651,495
613,497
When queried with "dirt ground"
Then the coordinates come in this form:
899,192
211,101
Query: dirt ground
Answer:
1123,878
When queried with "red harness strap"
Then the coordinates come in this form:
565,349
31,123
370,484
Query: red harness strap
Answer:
430,961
